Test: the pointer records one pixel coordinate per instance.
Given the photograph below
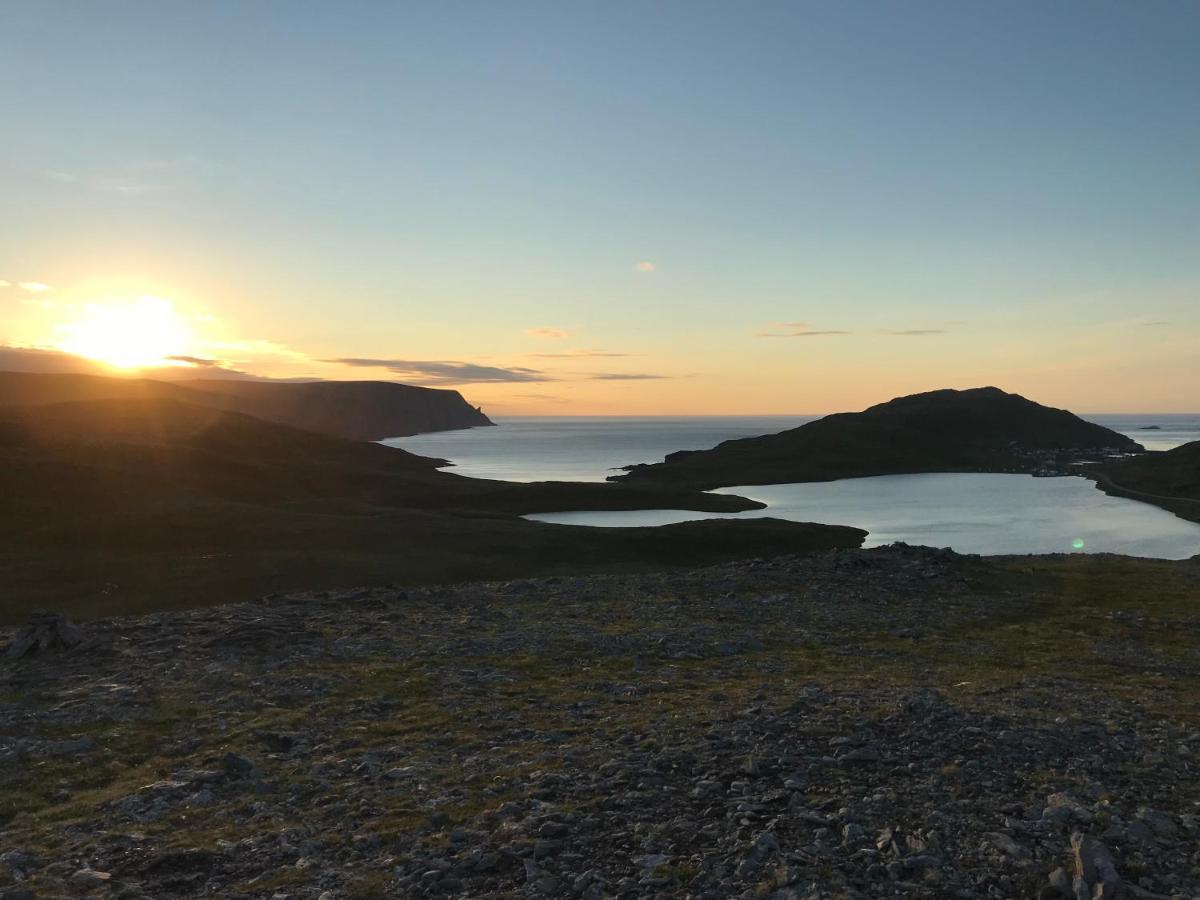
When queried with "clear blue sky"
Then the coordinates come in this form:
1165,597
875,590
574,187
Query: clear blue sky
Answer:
427,183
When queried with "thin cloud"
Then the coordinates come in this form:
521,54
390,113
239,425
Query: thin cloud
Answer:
259,347
625,376
198,361
4,284
556,334
541,398
579,354
34,287
1152,324
133,179
445,372
646,266
804,330
800,334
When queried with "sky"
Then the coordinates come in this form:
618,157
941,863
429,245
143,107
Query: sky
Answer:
610,207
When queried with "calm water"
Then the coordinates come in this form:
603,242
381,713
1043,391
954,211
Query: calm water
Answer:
582,448
971,513
590,448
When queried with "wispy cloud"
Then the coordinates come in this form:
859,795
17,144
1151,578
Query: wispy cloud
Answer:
198,361
34,287
4,284
625,376
646,266
1152,324
258,347
579,354
541,398
552,333
804,330
801,333
133,179
445,372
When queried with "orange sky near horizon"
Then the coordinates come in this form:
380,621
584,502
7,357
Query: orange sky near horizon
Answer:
549,368
612,209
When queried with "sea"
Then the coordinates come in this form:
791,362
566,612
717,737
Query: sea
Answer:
990,514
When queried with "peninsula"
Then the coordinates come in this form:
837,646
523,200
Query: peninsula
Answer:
356,410
978,430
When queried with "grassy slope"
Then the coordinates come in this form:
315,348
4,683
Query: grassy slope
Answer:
1170,479
121,505
1062,629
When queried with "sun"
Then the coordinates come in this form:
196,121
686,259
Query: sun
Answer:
141,334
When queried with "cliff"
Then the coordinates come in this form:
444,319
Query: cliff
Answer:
977,430
357,410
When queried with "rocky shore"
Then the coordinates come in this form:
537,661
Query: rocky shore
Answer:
899,722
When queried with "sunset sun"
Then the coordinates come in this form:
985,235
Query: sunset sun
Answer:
144,333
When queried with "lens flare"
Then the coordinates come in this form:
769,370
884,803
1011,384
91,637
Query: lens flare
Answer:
1077,543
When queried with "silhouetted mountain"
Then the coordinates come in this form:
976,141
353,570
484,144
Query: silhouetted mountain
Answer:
978,430
358,410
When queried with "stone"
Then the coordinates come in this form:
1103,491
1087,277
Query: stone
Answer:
46,632
1160,823
18,861
860,756
1008,846
853,833
89,878
1061,881
1094,867
236,764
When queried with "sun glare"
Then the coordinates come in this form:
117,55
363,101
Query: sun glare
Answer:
136,335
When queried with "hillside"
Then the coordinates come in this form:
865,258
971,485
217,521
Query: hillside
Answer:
1168,478
887,723
358,410
135,504
977,430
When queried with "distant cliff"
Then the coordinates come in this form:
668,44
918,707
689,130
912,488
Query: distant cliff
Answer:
978,430
358,410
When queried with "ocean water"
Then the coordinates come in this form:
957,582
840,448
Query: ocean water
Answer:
590,448
971,513
582,448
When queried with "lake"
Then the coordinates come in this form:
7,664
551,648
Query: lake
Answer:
970,513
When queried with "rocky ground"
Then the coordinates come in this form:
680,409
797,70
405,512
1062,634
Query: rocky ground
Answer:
898,722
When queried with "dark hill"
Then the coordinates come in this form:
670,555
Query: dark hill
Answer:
358,410
146,503
978,430
1168,478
